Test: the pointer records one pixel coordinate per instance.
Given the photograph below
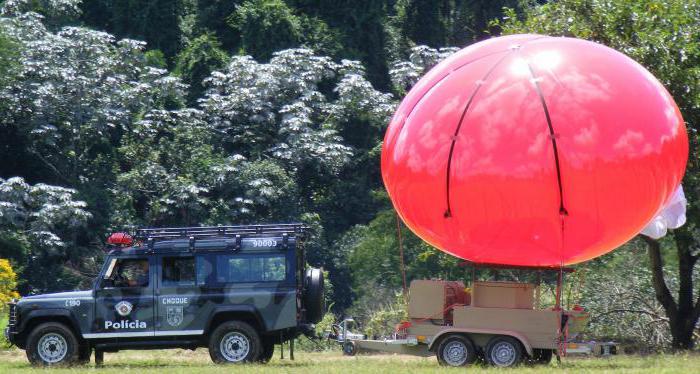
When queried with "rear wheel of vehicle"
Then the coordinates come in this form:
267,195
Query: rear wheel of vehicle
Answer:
349,348
314,302
52,344
542,356
234,342
504,351
456,350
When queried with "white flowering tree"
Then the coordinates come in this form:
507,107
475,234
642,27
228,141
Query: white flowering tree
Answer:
37,223
290,109
265,138
76,91
404,74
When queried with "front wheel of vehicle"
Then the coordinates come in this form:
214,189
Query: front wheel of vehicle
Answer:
52,344
234,342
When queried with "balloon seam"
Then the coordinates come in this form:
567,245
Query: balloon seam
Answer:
403,124
552,136
448,211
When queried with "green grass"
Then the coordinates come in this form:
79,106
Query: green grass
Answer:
182,361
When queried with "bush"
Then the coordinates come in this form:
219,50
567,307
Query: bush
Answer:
8,284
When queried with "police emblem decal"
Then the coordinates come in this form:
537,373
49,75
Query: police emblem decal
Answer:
123,308
174,315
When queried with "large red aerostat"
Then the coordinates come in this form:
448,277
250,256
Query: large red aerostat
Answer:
535,151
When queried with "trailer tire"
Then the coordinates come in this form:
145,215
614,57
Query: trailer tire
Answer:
456,350
504,351
350,349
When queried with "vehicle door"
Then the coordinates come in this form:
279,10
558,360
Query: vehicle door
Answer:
179,295
124,305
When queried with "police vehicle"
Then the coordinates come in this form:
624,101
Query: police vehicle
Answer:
237,290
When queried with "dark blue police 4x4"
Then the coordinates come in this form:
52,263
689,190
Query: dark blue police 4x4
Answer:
237,290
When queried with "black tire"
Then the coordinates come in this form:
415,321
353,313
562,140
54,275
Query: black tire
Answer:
314,300
504,351
456,350
59,346
349,349
267,352
542,356
235,342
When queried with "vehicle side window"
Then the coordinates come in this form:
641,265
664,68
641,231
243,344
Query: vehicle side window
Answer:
128,273
178,271
241,269
204,270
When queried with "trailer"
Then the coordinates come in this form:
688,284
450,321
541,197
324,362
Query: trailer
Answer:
499,322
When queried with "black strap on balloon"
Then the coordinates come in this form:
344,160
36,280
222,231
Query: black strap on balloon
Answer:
552,136
448,211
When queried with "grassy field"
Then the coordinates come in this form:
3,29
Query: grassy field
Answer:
181,361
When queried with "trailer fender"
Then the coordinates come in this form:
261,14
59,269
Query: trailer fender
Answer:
520,337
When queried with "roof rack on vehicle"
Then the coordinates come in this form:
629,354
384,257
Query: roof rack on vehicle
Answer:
203,232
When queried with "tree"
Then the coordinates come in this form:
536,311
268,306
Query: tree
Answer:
76,89
54,13
157,22
197,61
212,16
38,225
266,26
664,36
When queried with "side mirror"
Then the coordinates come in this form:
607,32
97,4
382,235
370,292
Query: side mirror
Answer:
107,283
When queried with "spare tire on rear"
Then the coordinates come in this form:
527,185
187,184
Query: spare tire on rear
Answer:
314,302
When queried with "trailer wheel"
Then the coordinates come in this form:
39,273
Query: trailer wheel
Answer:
349,348
456,350
504,351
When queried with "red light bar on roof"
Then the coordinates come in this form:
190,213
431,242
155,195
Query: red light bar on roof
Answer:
120,238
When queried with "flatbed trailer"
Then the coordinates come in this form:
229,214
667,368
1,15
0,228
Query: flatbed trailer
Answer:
495,321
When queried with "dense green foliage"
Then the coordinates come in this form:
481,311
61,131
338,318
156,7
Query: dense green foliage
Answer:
273,110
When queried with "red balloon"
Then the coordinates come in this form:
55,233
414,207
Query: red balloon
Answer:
533,150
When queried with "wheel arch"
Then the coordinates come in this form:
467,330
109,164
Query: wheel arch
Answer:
36,317
243,313
468,332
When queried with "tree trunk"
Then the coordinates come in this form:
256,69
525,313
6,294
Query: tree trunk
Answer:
682,312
